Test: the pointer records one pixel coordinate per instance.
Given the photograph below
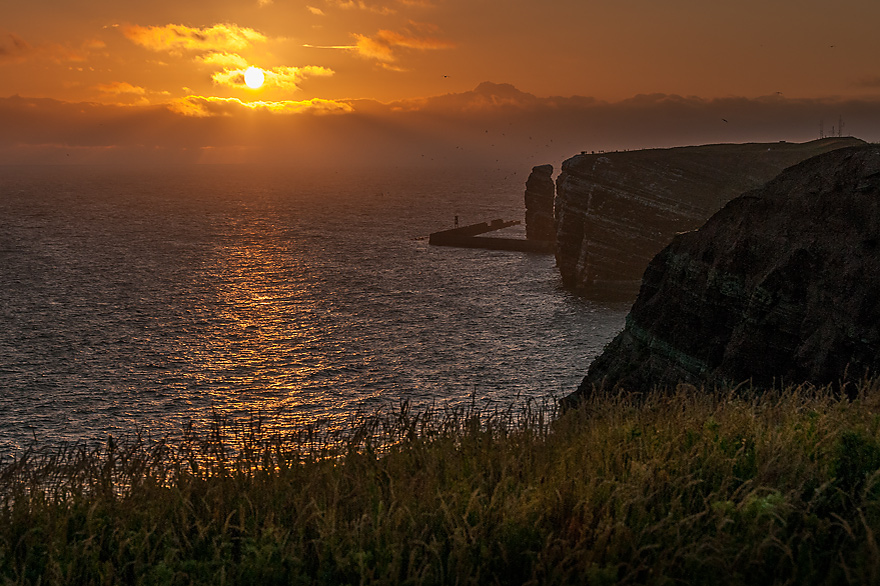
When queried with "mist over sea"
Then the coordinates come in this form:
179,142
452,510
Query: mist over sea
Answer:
145,300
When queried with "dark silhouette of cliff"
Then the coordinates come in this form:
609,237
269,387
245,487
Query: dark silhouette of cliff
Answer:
780,286
539,196
615,211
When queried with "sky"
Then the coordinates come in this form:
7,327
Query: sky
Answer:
426,81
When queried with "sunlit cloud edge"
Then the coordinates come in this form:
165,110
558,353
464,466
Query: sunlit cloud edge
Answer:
211,106
219,38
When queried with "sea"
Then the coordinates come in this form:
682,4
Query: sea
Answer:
145,301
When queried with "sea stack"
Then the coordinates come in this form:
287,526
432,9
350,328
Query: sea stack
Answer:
780,286
539,196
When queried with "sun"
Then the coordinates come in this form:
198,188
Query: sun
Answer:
253,77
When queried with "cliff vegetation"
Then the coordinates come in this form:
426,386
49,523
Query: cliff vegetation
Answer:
690,487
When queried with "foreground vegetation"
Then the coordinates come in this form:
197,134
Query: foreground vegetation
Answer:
688,487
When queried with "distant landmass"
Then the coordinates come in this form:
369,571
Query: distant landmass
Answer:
614,211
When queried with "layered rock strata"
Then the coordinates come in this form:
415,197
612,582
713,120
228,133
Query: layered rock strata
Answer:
539,196
780,286
615,211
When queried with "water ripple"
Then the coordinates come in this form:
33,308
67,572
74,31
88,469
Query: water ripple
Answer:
140,301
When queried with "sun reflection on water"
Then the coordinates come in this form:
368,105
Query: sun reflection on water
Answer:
147,304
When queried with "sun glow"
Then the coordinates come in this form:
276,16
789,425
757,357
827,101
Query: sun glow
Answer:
253,77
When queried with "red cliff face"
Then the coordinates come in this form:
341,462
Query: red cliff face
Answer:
615,211
780,286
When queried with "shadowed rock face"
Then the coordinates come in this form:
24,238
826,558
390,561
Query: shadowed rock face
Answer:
781,285
539,196
615,211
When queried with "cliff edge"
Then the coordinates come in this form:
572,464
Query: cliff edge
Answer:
780,286
615,211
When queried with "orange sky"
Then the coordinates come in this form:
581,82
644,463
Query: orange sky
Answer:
179,60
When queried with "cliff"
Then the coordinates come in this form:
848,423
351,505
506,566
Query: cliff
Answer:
781,285
615,211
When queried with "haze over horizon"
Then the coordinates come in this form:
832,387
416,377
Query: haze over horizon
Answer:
426,82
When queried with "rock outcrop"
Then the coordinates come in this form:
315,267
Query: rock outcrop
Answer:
539,196
780,286
615,211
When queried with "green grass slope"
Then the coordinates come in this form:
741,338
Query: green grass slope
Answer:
692,487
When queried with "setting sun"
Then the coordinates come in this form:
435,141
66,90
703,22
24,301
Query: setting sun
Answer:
253,77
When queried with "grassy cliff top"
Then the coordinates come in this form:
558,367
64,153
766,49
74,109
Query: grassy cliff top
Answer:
690,487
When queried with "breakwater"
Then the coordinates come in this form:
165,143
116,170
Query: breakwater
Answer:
469,237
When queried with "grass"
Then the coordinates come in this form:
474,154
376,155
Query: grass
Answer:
687,487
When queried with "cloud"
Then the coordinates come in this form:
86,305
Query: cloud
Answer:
390,67
125,93
63,54
285,78
315,11
94,44
121,87
227,60
869,82
290,77
361,5
345,47
384,45
494,124
487,97
13,48
219,38
205,106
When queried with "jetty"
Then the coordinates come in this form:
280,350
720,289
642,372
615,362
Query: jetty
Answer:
469,237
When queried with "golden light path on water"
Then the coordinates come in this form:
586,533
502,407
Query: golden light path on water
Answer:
262,302
146,302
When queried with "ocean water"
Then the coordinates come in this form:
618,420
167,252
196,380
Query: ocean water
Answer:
146,300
